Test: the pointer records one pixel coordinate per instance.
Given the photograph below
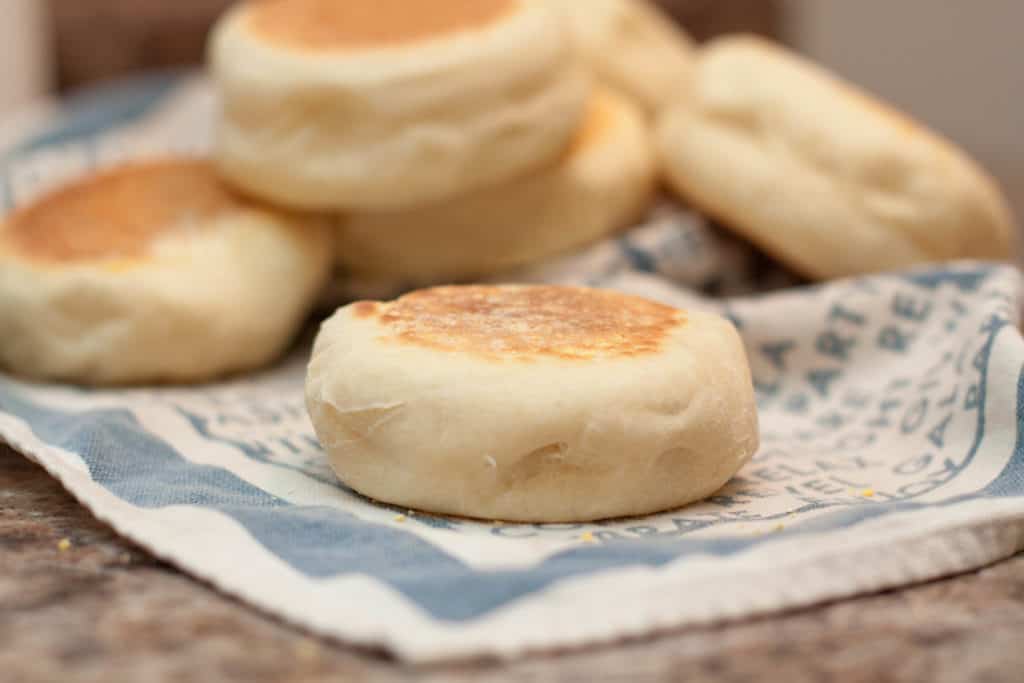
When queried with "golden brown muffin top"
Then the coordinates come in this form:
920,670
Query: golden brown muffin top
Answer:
525,322
118,213
329,25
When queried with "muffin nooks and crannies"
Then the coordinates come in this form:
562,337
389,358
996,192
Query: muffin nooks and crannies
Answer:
632,46
533,403
150,272
820,175
601,182
386,104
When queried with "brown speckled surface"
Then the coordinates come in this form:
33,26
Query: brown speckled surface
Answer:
101,610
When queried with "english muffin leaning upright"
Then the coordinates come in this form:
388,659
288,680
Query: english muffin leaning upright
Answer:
600,183
153,271
819,174
389,103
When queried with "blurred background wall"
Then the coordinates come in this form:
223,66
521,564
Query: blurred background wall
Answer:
26,54
959,66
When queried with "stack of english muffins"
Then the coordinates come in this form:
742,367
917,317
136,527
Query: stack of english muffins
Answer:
443,142
451,139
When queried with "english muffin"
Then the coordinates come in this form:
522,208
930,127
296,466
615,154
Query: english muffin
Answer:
819,174
602,182
387,104
150,272
531,403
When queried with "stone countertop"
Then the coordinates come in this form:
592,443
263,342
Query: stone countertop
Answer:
95,608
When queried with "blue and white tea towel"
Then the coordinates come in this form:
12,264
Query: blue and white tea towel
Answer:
892,413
